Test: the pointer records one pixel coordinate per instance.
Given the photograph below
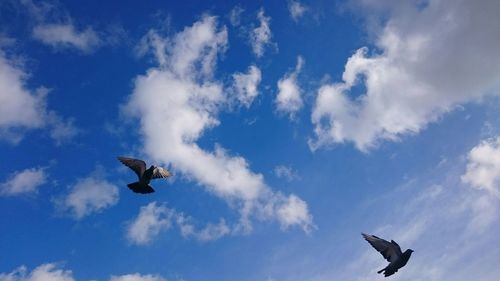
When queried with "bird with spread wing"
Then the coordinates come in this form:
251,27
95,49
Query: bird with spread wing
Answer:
391,252
144,175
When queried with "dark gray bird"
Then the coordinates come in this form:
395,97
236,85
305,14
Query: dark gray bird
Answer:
391,252
144,175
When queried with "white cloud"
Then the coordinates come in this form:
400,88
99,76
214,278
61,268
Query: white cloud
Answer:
432,58
296,9
245,85
137,277
22,182
148,224
44,272
177,101
295,212
289,98
155,218
61,130
261,35
235,15
19,108
483,167
286,172
63,36
89,195
22,109
214,231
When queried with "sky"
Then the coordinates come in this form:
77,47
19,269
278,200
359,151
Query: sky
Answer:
291,127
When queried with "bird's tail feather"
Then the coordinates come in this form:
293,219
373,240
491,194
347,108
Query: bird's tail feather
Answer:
380,271
137,187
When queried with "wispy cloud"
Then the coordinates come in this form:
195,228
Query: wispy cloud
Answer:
289,98
137,277
235,15
23,182
178,101
261,36
444,221
286,172
64,36
155,218
296,9
409,83
88,195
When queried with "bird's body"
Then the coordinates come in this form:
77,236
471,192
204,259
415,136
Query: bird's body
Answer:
391,252
145,175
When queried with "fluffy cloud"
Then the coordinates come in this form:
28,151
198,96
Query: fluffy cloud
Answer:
22,182
51,272
296,9
66,36
137,277
177,101
261,35
22,109
148,224
155,218
483,167
19,108
294,212
89,195
44,272
432,58
245,85
289,98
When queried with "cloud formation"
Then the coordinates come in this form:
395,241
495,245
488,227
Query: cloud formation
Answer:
245,85
260,36
483,167
148,223
44,272
286,172
89,195
155,218
137,277
64,36
23,182
289,98
177,101
22,109
429,59
296,9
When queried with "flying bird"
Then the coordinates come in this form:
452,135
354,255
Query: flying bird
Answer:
391,252
144,175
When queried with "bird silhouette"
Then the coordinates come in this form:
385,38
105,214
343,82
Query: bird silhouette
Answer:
391,252
144,175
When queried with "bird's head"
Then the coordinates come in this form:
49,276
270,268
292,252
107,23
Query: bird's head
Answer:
409,251
152,167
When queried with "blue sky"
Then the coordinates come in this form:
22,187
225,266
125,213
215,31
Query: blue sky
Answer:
291,127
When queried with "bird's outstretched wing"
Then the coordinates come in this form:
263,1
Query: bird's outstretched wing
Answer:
159,172
390,250
138,166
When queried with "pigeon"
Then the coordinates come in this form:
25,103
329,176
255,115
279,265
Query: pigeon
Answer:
144,175
391,252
